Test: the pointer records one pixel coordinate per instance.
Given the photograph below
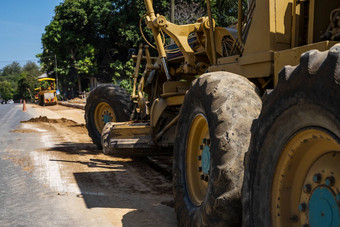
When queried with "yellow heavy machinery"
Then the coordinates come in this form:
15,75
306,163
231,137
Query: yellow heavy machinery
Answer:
251,114
47,92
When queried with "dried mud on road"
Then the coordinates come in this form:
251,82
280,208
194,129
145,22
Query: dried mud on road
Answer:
121,191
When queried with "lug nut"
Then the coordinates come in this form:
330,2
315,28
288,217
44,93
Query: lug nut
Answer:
330,181
317,178
307,188
294,218
302,207
206,178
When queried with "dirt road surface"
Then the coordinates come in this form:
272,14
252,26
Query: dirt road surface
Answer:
94,188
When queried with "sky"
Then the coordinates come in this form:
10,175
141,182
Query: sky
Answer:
22,23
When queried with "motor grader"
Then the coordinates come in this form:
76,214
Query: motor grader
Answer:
251,114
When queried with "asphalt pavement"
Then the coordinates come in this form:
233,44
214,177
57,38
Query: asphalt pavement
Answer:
24,201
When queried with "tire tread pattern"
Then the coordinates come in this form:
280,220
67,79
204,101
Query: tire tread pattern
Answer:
230,103
119,101
315,80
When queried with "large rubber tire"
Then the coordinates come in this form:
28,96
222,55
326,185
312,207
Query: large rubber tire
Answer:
298,127
115,99
228,103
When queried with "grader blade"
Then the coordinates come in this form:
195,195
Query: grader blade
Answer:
129,139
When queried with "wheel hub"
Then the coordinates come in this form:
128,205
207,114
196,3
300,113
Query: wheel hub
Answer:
306,186
107,117
323,209
206,159
320,192
103,114
198,160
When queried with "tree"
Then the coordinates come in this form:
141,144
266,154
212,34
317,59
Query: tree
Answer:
86,35
225,11
6,90
20,78
188,11
26,85
12,69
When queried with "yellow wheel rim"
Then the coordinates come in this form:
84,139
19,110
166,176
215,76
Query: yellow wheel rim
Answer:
198,159
103,113
306,184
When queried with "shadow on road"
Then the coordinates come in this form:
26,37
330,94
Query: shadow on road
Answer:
133,186
76,148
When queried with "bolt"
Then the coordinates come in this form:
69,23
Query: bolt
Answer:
317,178
206,178
199,157
302,207
294,218
199,169
330,181
307,188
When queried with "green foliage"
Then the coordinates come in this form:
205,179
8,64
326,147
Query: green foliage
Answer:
44,85
91,38
127,84
6,90
225,11
26,85
21,79
124,71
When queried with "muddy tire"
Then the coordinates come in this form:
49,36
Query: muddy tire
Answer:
295,148
213,134
104,104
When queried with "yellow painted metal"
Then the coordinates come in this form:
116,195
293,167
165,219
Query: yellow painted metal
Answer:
129,129
159,105
311,22
136,73
47,86
102,109
175,86
308,152
293,29
197,188
211,35
150,18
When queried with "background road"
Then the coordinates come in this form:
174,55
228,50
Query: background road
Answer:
52,175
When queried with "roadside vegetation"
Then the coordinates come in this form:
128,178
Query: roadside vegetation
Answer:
18,82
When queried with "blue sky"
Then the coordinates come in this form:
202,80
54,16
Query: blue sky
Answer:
22,22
